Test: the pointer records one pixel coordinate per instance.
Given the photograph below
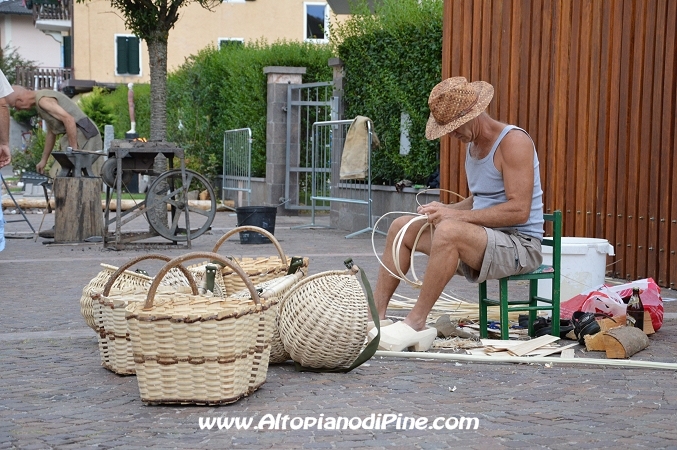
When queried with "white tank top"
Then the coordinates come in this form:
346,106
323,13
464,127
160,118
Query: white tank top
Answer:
488,189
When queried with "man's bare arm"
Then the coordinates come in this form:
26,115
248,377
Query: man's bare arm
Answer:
515,160
5,154
50,105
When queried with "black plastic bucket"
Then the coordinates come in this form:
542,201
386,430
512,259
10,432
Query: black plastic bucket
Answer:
258,216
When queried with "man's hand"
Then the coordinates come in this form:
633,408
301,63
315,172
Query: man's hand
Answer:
40,167
438,212
5,156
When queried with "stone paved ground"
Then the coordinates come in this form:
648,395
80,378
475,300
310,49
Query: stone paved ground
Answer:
54,393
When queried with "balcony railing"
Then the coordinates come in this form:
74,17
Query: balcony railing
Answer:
43,77
51,10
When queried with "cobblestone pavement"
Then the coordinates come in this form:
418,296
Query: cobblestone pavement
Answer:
54,393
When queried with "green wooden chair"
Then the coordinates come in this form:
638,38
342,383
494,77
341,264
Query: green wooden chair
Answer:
531,304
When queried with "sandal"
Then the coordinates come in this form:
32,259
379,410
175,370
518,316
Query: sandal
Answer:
584,324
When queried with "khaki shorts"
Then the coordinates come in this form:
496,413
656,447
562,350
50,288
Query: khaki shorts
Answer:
508,253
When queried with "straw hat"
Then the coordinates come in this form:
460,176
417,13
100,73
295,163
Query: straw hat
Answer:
454,102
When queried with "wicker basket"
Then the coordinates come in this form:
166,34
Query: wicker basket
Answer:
124,282
200,349
277,287
257,269
115,347
323,320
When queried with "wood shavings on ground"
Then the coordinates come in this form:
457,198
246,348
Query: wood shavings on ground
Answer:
456,344
541,346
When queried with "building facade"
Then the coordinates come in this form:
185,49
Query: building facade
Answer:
106,52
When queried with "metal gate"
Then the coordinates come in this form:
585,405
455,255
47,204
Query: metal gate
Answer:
237,164
306,104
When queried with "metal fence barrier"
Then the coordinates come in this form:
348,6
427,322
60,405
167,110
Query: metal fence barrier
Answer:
237,164
326,185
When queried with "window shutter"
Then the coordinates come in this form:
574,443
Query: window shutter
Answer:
133,61
123,55
67,60
128,55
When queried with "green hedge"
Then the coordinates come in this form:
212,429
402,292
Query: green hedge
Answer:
219,90
392,60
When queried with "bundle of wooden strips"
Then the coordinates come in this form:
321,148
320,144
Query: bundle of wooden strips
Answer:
115,347
200,349
323,320
456,308
277,287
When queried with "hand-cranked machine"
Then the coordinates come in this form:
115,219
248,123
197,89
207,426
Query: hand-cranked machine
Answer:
180,204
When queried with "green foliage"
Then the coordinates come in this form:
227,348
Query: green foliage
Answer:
26,160
117,100
97,109
393,59
219,90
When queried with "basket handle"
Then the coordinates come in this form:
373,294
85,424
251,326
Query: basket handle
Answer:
127,265
264,232
176,262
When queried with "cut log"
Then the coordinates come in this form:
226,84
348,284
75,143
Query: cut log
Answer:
78,209
609,323
595,342
623,342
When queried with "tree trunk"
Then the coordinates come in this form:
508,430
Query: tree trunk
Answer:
157,57
157,53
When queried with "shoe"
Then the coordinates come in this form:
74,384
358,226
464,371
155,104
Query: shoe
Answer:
400,336
563,331
47,234
584,324
382,323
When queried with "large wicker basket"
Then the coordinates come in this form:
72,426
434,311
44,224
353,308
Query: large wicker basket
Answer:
262,271
200,349
115,346
323,320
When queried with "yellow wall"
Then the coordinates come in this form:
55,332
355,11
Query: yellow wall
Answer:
95,25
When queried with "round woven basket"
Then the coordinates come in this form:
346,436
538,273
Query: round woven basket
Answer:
323,320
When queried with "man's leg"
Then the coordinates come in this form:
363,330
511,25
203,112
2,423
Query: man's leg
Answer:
452,240
386,283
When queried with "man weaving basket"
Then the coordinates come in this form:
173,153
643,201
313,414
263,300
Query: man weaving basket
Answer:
494,233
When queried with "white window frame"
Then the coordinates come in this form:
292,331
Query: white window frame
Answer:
115,56
326,22
218,42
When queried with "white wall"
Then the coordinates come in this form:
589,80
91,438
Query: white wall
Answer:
19,33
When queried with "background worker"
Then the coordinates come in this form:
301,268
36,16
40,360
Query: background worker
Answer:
63,117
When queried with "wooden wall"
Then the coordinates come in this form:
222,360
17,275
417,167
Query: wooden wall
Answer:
594,83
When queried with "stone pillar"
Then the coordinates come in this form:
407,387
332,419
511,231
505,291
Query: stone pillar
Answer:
276,130
337,95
